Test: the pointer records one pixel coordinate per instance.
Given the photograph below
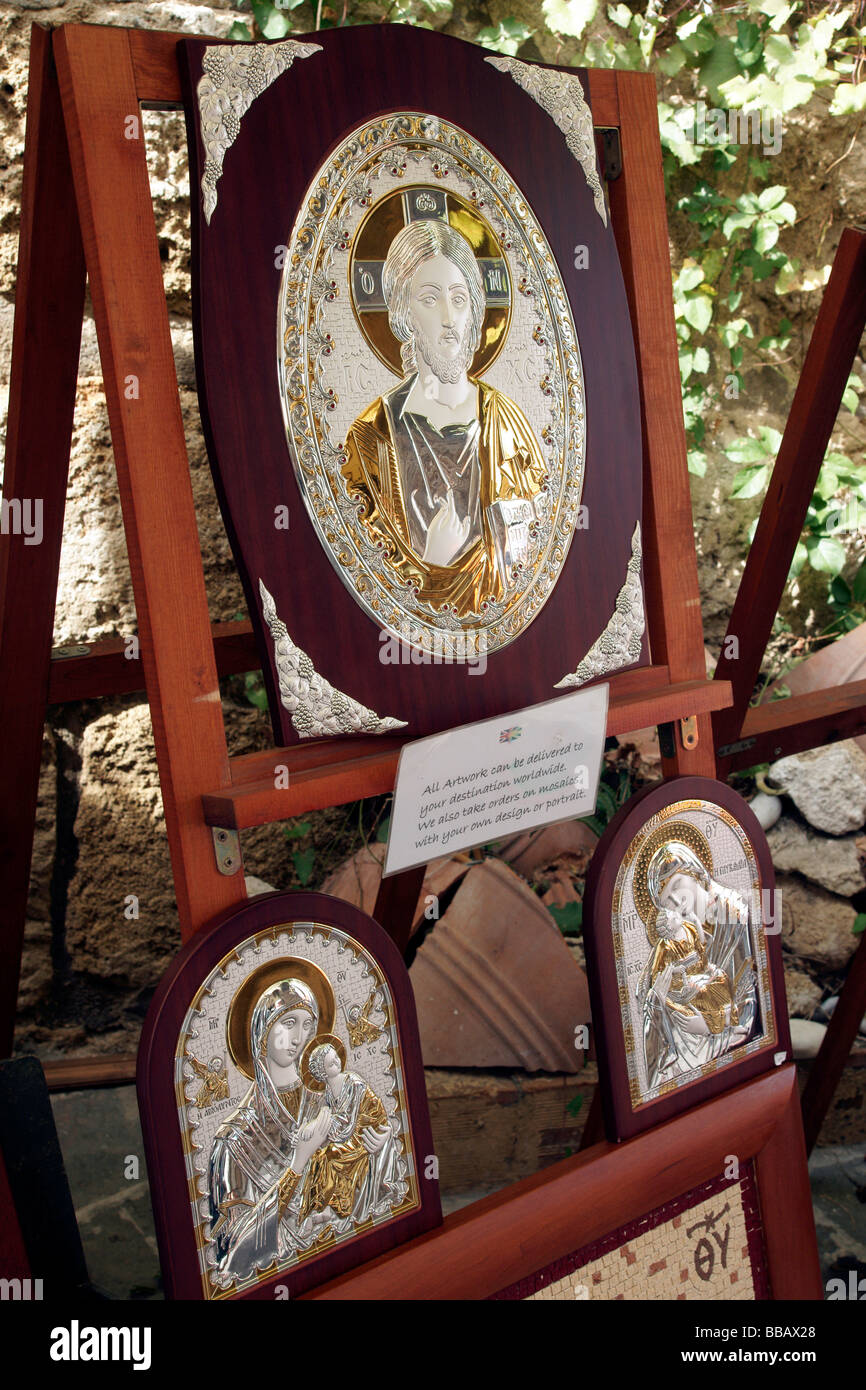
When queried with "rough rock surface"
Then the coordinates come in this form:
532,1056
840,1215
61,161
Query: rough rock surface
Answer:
802,993
816,925
806,1037
827,785
833,863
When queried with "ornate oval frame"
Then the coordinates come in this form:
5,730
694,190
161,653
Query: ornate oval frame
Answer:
338,196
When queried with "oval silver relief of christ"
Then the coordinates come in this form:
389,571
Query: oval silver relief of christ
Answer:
431,384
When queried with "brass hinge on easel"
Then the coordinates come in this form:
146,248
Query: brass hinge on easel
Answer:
227,849
688,736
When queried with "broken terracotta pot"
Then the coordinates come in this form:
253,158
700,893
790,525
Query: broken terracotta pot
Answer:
525,851
495,984
357,881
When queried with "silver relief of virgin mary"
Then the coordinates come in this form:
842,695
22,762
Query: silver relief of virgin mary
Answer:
697,991
301,1136
292,1160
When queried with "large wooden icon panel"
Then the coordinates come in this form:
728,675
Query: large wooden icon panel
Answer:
417,375
282,1101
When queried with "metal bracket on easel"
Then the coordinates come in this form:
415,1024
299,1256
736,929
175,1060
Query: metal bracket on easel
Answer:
688,736
227,849
611,153
689,732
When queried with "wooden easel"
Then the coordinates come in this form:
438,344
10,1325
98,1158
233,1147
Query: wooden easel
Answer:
88,210
746,736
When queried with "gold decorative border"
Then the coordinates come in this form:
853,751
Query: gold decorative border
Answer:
342,185
769,1035
411,1200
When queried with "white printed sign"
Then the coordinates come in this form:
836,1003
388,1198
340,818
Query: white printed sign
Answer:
486,780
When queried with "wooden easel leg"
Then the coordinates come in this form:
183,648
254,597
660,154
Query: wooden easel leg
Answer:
789,1226
830,356
101,106
835,1049
396,902
49,305
593,1130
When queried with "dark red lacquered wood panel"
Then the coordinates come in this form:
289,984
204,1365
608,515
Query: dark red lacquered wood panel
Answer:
158,1103
283,140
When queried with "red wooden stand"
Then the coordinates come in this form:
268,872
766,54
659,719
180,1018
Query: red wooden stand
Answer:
87,184
87,206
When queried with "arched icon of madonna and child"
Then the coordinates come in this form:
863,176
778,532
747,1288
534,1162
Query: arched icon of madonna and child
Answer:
310,1152
448,467
697,992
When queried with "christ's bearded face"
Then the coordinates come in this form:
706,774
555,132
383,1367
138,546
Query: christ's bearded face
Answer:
440,314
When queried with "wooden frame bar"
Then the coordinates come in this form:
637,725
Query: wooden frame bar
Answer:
45,347
99,92
503,1238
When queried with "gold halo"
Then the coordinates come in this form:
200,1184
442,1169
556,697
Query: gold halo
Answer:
375,233
687,834
320,1040
247,995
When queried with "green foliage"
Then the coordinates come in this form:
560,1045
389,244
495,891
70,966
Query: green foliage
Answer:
254,690
568,918
505,37
614,790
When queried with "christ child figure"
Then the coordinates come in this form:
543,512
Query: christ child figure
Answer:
348,1175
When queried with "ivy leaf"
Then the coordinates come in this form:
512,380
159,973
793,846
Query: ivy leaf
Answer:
748,47
698,311
826,554
766,235
383,829
701,360
801,555
771,197
239,33
671,60
747,450
303,860
859,924
272,23
697,462
255,691
296,830
839,592
569,17
718,66
848,99
689,278
850,396
750,481
505,37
